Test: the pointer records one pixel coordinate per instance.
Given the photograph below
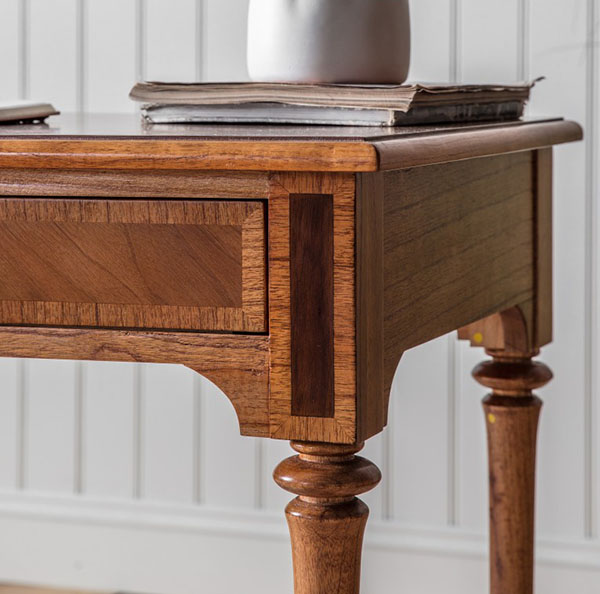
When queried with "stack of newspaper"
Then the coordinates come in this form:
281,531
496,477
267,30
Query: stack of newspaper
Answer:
322,104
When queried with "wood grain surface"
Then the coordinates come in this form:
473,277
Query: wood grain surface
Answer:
511,415
455,145
311,302
326,520
458,245
117,183
99,143
284,425
189,154
238,364
372,403
190,265
542,333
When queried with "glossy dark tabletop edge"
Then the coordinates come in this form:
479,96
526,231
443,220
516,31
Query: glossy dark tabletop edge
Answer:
131,127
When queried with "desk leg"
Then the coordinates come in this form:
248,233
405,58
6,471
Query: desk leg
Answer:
512,413
326,520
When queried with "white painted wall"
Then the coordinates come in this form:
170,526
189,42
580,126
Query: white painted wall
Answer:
134,477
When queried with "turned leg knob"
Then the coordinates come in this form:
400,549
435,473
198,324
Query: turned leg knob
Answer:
512,413
326,520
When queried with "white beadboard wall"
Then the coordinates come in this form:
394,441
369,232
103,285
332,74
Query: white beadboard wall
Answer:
134,477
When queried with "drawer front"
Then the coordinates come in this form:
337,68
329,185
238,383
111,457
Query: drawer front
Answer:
162,264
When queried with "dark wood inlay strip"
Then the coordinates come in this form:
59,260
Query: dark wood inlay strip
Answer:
311,279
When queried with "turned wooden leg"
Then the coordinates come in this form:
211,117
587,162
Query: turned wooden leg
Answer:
512,413
326,520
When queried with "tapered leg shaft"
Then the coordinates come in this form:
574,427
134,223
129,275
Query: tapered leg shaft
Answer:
326,520
511,414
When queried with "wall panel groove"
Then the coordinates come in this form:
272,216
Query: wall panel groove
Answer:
21,423
78,429
80,52
198,444
24,49
523,40
453,472
455,53
138,432
140,39
592,307
200,39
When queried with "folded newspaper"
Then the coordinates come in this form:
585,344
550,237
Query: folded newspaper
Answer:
356,105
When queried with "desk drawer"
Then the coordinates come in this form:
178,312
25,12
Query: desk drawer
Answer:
162,264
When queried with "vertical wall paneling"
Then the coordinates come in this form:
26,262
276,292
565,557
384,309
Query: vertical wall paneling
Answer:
53,52
260,495
24,62
9,431
592,268
80,54
107,457
50,430
198,442
78,429
226,40
420,435
167,434
489,40
228,460
453,429
523,40
455,41
9,49
388,465
170,40
558,50
471,507
20,422
110,55
137,430
430,40
140,39
201,34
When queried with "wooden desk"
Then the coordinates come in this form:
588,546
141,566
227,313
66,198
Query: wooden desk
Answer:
293,267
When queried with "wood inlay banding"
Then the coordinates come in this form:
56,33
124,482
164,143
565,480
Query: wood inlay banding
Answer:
164,264
311,295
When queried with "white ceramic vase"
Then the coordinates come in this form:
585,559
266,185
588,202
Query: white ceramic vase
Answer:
335,41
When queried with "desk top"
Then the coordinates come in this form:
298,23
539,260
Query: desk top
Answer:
124,141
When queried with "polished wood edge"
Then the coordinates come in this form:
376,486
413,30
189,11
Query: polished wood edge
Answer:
282,155
445,147
237,364
542,163
157,154
372,396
